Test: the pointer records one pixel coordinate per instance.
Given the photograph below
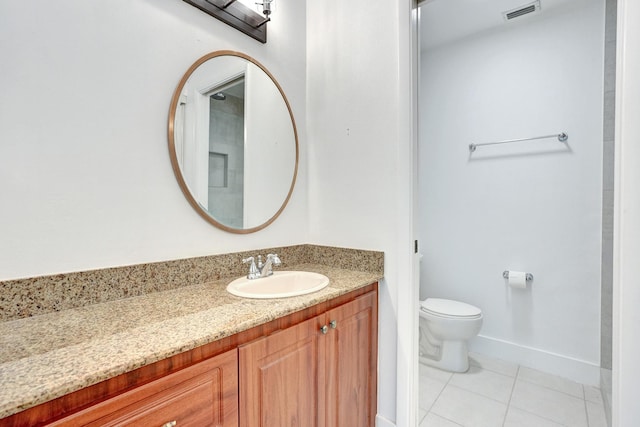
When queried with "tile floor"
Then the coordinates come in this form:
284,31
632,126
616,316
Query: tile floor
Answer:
501,394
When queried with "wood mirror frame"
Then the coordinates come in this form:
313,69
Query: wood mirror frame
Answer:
172,146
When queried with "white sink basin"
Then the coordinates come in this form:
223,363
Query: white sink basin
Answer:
279,285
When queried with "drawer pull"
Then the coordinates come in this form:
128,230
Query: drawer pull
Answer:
333,324
324,329
170,424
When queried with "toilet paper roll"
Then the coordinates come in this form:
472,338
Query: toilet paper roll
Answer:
517,279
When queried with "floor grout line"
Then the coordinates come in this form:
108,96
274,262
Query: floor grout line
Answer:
439,393
586,411
538,415
451,421
554,389
513,387
476,393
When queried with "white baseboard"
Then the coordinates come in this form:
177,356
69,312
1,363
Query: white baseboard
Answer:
383,422
576,370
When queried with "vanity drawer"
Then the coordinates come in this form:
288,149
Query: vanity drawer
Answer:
205,394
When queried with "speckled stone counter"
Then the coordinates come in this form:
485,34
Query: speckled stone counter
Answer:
47,356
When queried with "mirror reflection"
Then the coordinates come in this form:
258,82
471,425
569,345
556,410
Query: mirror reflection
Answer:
233,142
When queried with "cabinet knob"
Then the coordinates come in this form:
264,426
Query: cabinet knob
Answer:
324,329
170,424
333,324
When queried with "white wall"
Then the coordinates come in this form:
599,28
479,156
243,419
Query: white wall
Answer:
359,118
532,206
84,165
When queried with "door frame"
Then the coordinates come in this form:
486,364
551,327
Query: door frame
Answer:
626,234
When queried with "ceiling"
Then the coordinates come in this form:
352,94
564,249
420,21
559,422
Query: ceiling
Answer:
443,21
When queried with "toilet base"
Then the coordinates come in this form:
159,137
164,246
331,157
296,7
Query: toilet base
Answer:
454,357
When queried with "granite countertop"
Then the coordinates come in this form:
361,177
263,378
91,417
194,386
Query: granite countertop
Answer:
50,355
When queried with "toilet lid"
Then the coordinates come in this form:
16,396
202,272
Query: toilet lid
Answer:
448,307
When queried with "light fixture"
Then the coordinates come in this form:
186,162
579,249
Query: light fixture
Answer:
238,15
266,8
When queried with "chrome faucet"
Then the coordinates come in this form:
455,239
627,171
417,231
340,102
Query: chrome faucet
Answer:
267,268
261,270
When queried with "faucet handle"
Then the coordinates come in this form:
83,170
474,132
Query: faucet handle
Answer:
275,259
253,270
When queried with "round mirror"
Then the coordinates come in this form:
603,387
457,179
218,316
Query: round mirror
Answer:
233,142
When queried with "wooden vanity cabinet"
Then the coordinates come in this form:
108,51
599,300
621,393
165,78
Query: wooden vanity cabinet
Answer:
312,368
205,394
279,378
319,373
351,358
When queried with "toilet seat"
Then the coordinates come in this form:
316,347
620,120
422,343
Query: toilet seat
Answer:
450,309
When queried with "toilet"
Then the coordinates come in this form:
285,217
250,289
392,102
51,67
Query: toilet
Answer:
445,328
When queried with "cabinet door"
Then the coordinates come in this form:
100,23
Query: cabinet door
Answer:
351,363
205,394
279,378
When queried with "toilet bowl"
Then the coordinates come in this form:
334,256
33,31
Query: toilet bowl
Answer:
445,328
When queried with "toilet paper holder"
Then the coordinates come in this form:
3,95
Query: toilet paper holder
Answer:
528,276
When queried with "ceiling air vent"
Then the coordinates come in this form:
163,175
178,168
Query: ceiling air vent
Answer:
522,10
